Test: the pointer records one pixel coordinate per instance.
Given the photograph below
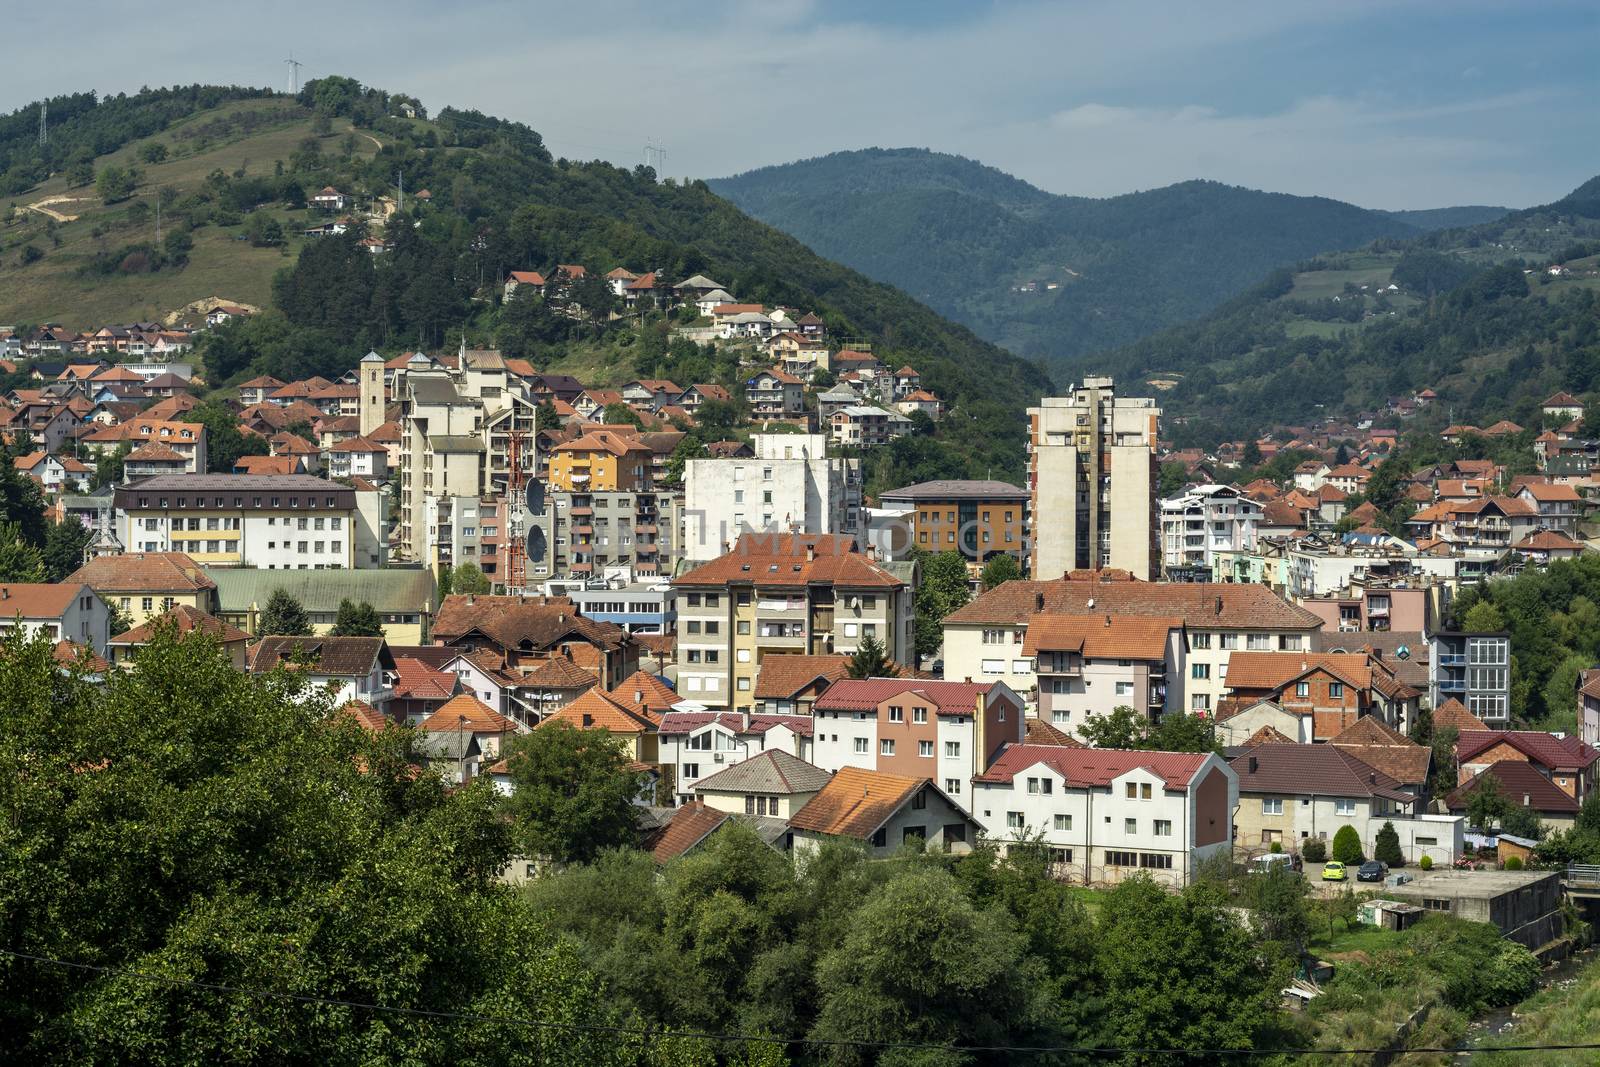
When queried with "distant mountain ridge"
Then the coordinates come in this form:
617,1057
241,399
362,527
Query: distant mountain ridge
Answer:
1051,277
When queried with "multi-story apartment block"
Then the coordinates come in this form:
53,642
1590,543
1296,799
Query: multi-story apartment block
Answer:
979,519
441,454
985,639
1093,664
619,534
1107,815
188,439
1204,521
275,522
775,394
790,485
1092,474
601,461
1474,668
638,607
863,426
784,593
944,731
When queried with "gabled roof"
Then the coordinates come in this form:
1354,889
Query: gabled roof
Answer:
782,559
865,694
1549,541
365,715
772,771
1517,780
1268,735
184,619
1039,732
646,694
419,681
1323,770
1557,753
855,802
1454,713
467,713
593,710
783,676
39,600
1201,605
342,656
511,620
558,672
677,723
1083,767
686,827
1385,748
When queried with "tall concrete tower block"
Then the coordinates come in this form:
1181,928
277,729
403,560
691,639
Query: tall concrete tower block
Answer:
370,394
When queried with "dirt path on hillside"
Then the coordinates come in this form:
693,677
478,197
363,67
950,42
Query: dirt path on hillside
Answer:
43,207
374,140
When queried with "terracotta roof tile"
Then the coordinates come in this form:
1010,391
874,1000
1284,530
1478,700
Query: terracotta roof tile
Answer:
510,620
855,802
646,694
1201,605
184,619
593,710
365,715
1140,637
478,717
1082,766
39,600
138,572
688,826
1268,735
1039,732
783,676
1325,770
1454,713
782,559
1548,750
343,656
418,681
861,694
1517,780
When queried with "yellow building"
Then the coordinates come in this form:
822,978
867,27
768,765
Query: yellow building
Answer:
146,585
601,461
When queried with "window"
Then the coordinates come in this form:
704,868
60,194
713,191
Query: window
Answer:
1434,904
919,714
1014,821
1115,858
886,747
1155,860
880,838
1040,786
861,744
146,603
1227,642
744,685
1336,690
952,750
1302,689
1258,642
994,666
1162,828
691,770
925,748
1124,689
1060,715
994,637
1199,701
1201,640
1200,670
919,801
897,714
1130,826
1063,822
1344,806
1272,805
952,786
1132,790
1144,790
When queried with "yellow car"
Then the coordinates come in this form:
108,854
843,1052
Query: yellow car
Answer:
1333,872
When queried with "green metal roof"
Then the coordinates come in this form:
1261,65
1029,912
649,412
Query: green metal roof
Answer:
390,590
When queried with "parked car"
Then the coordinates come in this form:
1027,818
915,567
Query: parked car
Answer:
1333,871
1271,861
1372,871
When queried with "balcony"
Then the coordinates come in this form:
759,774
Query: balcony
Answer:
583,510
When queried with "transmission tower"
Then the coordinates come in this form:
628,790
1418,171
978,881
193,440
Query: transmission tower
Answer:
44,125
655,157
294,74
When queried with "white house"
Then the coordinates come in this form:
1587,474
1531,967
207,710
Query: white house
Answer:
63,611
697,744
348,668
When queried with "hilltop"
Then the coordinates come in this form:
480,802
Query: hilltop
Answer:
1494,317
239,166
1050,277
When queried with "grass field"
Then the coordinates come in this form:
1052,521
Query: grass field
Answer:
220,265
1324,284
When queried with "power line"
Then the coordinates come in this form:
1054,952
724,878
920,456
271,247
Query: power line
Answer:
765,1039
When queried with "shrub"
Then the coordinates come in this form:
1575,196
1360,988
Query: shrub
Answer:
1514,863
1314,850
1386,847
1347,846
1426,862
1277,846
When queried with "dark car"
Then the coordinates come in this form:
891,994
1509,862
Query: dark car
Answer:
1372,871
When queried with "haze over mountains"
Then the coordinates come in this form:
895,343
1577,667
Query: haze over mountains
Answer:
1054,277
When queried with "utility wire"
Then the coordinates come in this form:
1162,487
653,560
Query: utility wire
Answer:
646,1032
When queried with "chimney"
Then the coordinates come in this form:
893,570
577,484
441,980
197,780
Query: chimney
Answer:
1372,778
1108,620
1038,602
561,618
1219,605
1254,764
1090,605
1526,801
638,696
471,600
811,552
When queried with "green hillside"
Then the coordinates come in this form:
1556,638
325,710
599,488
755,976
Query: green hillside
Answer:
1049,277
1446,218
1473,313
238,188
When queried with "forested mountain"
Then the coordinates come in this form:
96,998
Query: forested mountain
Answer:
1445,218
233,181
1493,317
1049,277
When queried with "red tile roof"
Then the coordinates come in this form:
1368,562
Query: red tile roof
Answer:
782,676
466,712
184,619
1085,767
1140,637
39,600
865,694
1324,770
1268,735
136,572
646,694
855,802
418,681
689,825
1201,605
1454,713
365,715
595,711
782,559
1557,753
1039,732
1517,780
1385,748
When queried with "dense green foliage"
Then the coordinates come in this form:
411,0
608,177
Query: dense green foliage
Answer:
871,660
1386,846
980,950
284,616
943,589
1347,846
963,237
574,792
191,823
1127,728
356,620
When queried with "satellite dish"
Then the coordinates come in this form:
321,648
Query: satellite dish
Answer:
535,497
536,545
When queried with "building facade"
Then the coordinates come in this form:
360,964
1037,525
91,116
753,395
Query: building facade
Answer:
790,485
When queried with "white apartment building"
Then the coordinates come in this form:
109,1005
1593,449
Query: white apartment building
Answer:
698,744
1092,473
274,522
789,486
1204,521
442,452
1106,815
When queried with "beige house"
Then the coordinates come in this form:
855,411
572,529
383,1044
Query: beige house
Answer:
773,783
146,585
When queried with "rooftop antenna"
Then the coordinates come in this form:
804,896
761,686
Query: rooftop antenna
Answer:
44,126
294,74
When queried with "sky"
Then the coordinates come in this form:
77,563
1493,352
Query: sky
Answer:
1391,104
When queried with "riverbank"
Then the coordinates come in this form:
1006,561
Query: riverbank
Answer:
1565,1011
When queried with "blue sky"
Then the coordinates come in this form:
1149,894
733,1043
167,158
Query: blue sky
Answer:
1386,104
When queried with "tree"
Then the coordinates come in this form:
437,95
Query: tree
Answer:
63,548
263,230
1521,822
1181,732
1386,846
225,442
1486,802
1123,728
1314,850
467,578
153,152
574,792
1000,569
871,660
617,413
1251,458
284,617
1277,901
19,560
1483,617
116,183
943,590
118,619
356,620
1174,476
1347,846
